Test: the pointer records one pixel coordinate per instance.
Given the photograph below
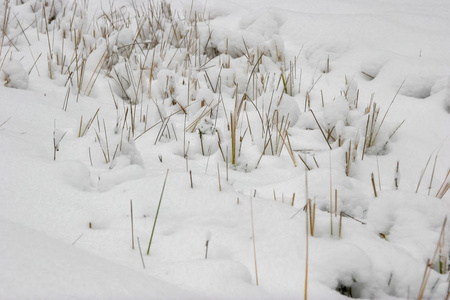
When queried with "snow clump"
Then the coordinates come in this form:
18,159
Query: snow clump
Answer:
13,75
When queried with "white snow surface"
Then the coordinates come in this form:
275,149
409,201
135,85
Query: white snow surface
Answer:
100,99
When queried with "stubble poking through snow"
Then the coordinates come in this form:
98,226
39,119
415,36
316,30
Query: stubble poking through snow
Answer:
237,100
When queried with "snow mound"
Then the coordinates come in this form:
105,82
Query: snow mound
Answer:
412,221
74,173
69,273
14,75
336,111
418,75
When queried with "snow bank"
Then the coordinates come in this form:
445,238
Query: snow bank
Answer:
37,266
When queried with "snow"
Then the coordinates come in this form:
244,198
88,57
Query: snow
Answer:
342,92
13,75
49,269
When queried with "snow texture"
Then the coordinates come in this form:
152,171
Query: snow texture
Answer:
255,109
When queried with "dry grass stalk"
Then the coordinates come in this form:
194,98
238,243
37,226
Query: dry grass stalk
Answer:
157,212
132,227
430,263
335,202
206,251
307,238
66,99
253,238
56,140
90,157
207,110
311,212
320,127
303,161
353,218
331,200
102,147
157,123
79,237
397,175
372,115
290,150
387,111
423,173
218,176
365,138
373,185
106,139
140,252
445,186
81,132
234,122
315,161
379,177
227,163
432,175
95,73
34,64
4,28
5,122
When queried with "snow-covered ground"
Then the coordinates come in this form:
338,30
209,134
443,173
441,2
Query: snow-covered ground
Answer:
204,127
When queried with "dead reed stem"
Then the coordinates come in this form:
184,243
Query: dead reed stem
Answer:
444,187
432,175
331,200
254,243
423,173
77,239
379,177
396,178
307,237
140,252
373,185
335,202
387,111
320,127
132,227
218,175
157,212
430,263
